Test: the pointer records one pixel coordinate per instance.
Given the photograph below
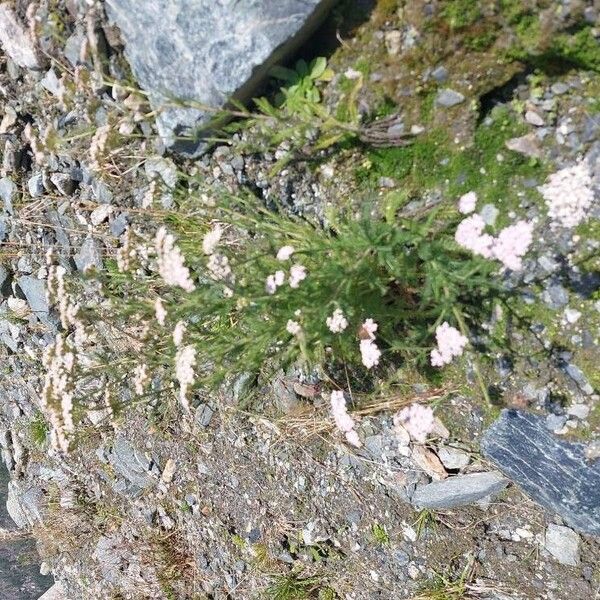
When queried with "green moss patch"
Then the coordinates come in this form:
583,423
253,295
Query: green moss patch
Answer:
433,161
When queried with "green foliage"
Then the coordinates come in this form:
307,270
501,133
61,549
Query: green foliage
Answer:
380,534
300,83
448,585
582,49
425,520
298,116
461,13
295,587
38,430
406,274
433,161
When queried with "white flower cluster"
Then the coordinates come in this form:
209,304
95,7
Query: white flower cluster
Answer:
67,309
293,327
178,333
211,240
569,195
467,203
450,343
274,281
369,351
285,252
140,379
160,311
218,267
297,274
417,420
57,393
185,361
337,322
343,421
512,244
277,279
509,247
171,262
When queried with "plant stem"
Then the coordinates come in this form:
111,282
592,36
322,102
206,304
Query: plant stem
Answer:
465,331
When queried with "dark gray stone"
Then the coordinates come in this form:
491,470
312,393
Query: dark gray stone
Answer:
5,279
555,296
577,375
448,98
133,465
206,51
89,256
459,490
553,472
34,291
35,185
440,74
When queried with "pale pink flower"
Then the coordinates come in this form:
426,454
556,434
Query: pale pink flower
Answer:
274,281
160,311
512,244
185,361
285,252
352,438
370,327
270,285
370,353
140,378
417,420
337,322
178,333
569,195
450,343
218,266
469,234
467,203
293,327
343,421
212,239
297,274
171,262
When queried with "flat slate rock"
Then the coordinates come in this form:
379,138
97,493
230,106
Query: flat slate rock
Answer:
206,51
459,490
553,472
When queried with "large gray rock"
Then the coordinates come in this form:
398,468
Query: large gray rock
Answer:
563,544
459,490
134,465
34,290
206,51
553,472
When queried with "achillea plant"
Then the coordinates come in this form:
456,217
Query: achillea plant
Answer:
229,287
245,286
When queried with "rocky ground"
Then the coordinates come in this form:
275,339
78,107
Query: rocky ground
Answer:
262,498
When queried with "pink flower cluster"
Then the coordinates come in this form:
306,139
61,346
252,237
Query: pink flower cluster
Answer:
343,421
512,244
337,322
171,264
417,420
450,343
369,351
509,247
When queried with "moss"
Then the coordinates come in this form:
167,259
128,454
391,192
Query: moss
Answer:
480,42
582,49
528,31
461,13
38,430
433,161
